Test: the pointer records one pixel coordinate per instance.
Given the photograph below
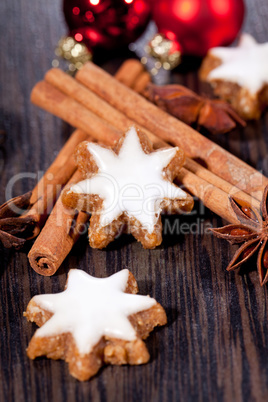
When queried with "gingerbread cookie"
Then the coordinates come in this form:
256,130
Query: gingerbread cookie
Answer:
239,75
127,187
94,322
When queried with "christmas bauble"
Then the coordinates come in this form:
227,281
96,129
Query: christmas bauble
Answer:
108,24
195,26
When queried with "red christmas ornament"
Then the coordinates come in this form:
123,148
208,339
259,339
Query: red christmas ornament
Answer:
194,26
108,24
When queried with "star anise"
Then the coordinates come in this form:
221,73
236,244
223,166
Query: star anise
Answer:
216,116
252,233
15,229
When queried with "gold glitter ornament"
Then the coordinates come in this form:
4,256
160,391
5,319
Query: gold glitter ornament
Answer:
76,53
163,51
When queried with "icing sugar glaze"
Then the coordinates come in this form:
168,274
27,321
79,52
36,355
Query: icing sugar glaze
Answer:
90,308
246,64
131,182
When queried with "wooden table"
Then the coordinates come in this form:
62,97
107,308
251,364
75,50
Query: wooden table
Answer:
215,344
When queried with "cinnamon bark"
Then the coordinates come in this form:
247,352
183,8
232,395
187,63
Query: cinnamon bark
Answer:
71,111
58,236
92,103
47,190
213,198
133,75
142,81
130,72
23,223
168,128
64,163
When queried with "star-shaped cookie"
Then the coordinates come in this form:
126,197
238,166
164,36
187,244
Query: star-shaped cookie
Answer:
94,321
127,187
244,66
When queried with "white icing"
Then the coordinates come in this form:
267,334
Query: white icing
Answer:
246,64
131,182
90,308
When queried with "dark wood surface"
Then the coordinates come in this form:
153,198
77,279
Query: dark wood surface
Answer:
214,347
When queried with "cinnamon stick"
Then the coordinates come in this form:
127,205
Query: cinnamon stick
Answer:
56,240
71,111
25,222
50,185
142,81
212,197
42,94
132,74
168,128
129,72
64,156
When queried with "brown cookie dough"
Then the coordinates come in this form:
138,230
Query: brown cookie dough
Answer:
61,344
238,75
91,158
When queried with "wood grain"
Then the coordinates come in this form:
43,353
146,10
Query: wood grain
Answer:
214,347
